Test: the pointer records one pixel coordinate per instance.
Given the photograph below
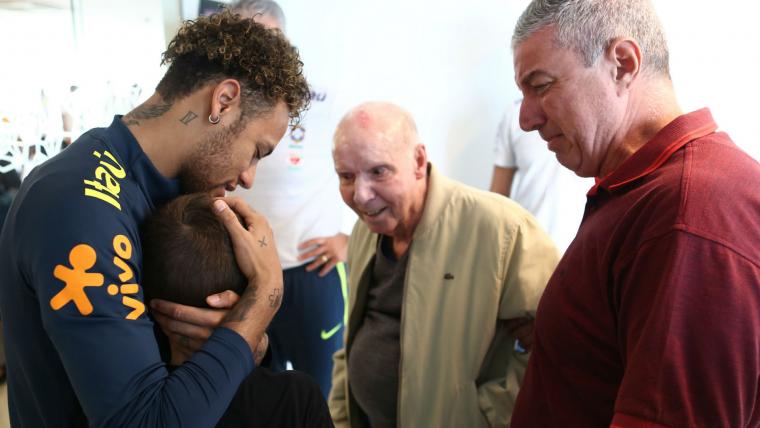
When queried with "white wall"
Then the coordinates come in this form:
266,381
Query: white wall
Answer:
31,59
715,62
121,41
449,63
103,47
446,61
116,41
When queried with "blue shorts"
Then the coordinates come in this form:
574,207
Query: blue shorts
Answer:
308,328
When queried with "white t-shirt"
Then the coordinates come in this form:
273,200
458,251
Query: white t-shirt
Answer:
296,187
549,191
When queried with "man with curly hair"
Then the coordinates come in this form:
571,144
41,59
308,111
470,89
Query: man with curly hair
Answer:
81,348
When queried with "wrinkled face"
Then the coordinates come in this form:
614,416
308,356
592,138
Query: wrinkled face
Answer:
381,179
572,106
226,158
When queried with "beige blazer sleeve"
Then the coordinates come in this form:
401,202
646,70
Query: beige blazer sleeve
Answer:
529,261
337,400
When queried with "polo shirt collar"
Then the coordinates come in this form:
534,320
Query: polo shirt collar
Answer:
660,148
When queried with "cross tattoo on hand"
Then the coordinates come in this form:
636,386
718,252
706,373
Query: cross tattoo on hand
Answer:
263,242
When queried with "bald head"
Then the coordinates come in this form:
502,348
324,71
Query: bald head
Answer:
382,168
378,121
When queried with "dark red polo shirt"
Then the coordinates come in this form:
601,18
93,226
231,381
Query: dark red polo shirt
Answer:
652,317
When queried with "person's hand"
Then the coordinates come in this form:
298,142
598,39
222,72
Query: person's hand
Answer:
256,256
327,252
522,330
188,327
255,250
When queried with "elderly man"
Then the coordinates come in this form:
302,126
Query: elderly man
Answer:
443,280
652,317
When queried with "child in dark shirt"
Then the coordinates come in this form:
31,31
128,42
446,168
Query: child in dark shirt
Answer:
187,255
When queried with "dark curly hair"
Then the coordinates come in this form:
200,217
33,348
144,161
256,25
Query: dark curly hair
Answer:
226,45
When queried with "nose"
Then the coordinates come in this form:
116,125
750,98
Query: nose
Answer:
363,192
246,177
532,115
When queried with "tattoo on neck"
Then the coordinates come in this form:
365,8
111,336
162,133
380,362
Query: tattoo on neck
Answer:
263,242
145,112
275,298
239,312
188,117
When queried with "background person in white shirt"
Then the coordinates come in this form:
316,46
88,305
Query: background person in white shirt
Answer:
297,191
528,173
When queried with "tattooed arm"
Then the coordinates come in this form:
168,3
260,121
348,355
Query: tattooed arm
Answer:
257,258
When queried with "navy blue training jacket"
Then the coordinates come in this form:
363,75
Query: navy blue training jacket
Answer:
80,347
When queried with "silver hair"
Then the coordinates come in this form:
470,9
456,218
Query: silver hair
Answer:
588,27
264,7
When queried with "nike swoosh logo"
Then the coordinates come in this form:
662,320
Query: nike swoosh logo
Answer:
328,334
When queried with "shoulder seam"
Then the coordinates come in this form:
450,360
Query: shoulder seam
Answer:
697,233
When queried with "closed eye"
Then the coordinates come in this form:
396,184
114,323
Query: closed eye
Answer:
262,150
267,153
541,88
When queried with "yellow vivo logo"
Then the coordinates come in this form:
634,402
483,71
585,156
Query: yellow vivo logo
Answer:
76,277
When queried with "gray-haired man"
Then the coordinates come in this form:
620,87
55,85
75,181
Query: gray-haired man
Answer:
652,317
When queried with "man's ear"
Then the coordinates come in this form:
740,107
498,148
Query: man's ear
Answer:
625,56
420,161
225,99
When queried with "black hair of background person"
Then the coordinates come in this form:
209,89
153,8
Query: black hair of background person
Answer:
187,253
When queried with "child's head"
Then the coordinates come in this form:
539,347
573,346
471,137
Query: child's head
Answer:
187,253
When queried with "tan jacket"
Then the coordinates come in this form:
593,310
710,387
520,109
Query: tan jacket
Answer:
476,260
